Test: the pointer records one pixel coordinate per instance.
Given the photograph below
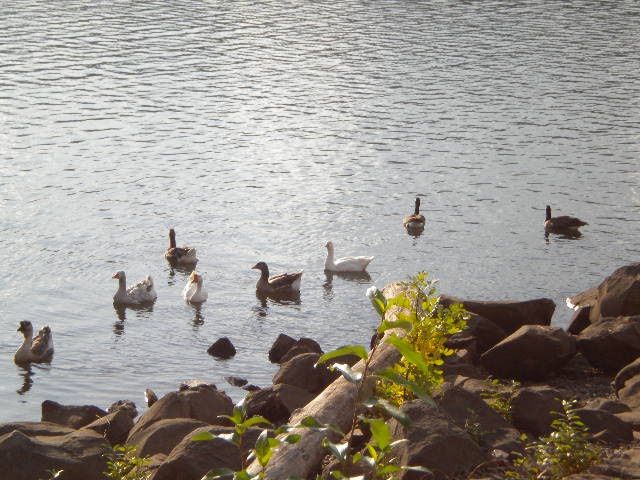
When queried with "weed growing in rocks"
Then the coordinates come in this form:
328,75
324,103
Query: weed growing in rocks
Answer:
122,464
565,451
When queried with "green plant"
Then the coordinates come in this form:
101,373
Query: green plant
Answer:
428,324
499,398
54,474
565,451
123,464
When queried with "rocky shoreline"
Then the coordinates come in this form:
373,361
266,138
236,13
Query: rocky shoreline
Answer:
508,358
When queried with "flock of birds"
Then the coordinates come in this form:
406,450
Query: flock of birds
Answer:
39,348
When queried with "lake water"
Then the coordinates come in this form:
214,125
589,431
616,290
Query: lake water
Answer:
260,130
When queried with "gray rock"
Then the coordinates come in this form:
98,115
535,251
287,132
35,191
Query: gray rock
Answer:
301,372
531,353
114,427
611,343
222,348
163,435
280,346
74,416
532,409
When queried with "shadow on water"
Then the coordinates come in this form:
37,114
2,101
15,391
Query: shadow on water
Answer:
121,314
265,301
198,319
563,234
179,271
356,277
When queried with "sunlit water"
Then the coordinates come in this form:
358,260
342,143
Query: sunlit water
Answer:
260,130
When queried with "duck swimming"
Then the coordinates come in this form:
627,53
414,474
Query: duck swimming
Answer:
179,255
34,349
563,223
194,290
344,264
137,294
278,284
416,221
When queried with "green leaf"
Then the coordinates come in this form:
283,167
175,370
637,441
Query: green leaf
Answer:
347,372
292,438
414,388
254,421
416,469
203,436
358,350
339,450
387,325
389,469
407,351
218,473
380,432
312,423
388,407
263,448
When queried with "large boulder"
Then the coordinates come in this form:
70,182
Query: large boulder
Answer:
624,464
434,442
509,315
628,372
191,460
300,346
79,454
36,429
301,372
222,348
201,402
611,343
163,435
617,296
114,427
73,416
605,427
280,346
580,320
630,393
532,409
530,353
277,403
480,335
471,413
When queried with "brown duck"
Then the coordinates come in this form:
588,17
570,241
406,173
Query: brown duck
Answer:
283,283
561,224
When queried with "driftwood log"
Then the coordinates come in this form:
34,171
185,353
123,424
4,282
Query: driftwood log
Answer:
334,406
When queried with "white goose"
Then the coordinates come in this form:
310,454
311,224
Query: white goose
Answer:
138,294
34,349
194,290
345,264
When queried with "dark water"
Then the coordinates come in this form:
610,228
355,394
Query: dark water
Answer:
260,130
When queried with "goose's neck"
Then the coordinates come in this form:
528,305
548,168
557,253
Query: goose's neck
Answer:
548,213
264,274
122,283
172,239
417,209
329,262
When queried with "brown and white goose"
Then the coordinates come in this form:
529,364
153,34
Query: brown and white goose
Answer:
278,284
138,294
34,349
563,223
416,221
179,255
194,291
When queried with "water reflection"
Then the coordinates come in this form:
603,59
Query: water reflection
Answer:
182,270
198,319
356,277
121,314
264,301
27,382
564,235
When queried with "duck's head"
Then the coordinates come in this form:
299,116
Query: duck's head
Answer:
25,327
329,245
119,274
195,277
260,266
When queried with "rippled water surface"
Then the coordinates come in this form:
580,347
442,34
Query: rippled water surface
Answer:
260,130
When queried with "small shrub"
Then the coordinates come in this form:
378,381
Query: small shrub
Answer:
499,399
565,451
123,464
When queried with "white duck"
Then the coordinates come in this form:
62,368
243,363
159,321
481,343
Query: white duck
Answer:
345,264
179,255
194,290
138,294
34,349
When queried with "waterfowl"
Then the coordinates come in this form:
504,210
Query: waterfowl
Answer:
415,221
562,223
138,294
344,264
34,349
179,255
194,290
283,283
